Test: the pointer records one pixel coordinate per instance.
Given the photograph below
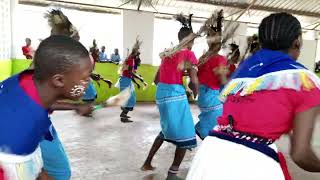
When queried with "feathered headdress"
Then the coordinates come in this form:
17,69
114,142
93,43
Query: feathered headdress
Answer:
185,22
213,29
214,23
252,46
136,45
234,55
135,48
60,24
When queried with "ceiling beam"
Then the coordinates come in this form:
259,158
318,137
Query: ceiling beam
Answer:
254,7
108,9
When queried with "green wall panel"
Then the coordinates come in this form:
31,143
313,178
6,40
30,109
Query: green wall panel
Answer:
5,69
108,71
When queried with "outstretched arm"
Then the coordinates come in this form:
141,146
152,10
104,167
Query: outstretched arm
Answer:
194,79
301,150
81,109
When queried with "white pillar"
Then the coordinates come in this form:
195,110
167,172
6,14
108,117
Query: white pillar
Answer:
240,37
14,40
5,30
5,39
138,24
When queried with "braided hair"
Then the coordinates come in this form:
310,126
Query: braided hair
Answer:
186,28
278,31
234,55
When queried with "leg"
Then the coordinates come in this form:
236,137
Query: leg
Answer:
124,117
55,160
174,169
178,157
155,147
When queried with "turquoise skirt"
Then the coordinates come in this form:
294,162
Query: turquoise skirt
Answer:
210,107
126,82
175,115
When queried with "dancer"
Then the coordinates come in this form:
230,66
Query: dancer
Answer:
27,50
55,159
233,59
212,75
175,115
269,95
252,47
62,71
125,81
94,50
137,63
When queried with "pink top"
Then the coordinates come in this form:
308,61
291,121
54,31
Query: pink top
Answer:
27,51
169,72
130,63
268,114
206,73
27,84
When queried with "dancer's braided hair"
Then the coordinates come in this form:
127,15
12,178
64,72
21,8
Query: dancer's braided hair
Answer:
278,31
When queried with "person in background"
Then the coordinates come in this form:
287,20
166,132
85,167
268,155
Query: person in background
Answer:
103,55
62,71
94,51
233,58
27,50
115,57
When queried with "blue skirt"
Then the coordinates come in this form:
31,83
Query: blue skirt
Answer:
175,116
210,107
90,93
126,82
55,160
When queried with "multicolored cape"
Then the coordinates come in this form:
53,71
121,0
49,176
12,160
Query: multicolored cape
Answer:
269,70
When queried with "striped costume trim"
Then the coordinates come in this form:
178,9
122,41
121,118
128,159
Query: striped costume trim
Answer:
171,99
296,79
187,143
211,108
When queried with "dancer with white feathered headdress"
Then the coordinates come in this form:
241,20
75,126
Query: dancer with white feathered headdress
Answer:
175,115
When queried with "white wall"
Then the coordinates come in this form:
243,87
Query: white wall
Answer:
138,24
166,35
318,51
308,53
105,28
5,29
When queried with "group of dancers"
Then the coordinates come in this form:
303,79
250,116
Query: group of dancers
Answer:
243,112
237,129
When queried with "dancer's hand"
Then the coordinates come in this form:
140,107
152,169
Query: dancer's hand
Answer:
85,109
44,176
188,90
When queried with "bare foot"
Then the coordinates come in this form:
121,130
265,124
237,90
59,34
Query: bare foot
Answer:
147,167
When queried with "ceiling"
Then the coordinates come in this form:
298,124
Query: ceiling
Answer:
307,11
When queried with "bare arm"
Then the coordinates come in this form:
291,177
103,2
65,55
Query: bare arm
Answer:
194,79
58,106
222,73
301,150
81,109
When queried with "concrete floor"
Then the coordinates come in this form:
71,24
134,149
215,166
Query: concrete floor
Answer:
102,148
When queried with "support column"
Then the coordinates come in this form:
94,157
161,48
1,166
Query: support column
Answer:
14,40
140,24
5,39
309,50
